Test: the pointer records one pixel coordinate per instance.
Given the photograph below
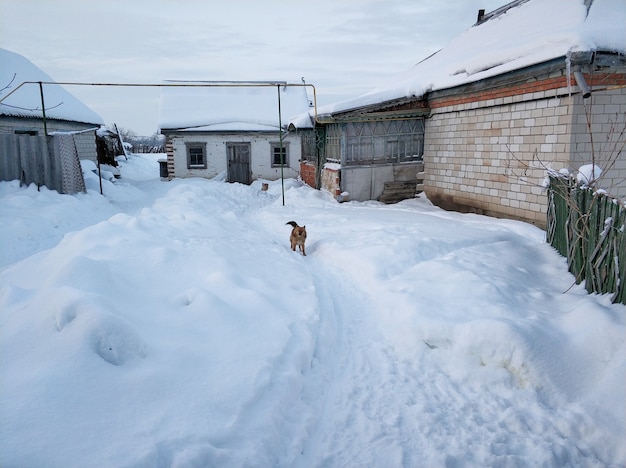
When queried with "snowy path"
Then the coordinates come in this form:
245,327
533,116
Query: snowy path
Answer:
465,392
178,329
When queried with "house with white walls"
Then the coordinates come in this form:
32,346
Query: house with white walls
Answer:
232,129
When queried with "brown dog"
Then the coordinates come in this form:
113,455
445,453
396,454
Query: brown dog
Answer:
298,236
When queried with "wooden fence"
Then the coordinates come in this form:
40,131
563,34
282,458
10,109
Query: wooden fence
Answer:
589,228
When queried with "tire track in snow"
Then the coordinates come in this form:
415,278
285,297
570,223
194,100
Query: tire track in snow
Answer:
340,388
363,403
374,407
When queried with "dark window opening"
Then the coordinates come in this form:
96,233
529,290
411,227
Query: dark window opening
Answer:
280,156
196,156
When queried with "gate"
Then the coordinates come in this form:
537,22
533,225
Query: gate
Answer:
238,162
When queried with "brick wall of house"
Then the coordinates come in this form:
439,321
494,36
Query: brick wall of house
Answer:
331,180
489,152
169,150
599,136
86,145
307,173
261,166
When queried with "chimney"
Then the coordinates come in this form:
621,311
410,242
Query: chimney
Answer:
481,15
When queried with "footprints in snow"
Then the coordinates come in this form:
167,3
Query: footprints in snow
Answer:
111,338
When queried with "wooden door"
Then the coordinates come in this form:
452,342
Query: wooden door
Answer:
238,162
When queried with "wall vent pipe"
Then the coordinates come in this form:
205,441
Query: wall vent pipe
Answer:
582,84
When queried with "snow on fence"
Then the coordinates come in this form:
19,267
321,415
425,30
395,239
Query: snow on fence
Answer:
589,228
147,148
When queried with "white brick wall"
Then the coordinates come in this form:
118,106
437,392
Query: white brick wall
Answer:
605,114
217,160
495,157
86,145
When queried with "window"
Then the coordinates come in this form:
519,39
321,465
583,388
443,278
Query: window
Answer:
26,132
312,144
280,157
196,155
380,142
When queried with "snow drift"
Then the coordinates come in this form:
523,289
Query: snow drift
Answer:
170,324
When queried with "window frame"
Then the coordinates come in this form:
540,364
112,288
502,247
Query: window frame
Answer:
276,146
192,145
383,141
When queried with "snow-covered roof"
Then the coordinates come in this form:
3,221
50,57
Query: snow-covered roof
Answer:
530,33
234,107
26,101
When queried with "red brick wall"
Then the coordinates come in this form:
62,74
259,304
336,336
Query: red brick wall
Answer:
307,173
593,80
169,149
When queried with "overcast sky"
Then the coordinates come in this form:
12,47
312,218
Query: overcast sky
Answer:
343,47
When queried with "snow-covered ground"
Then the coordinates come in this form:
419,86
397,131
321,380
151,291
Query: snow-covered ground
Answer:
169,324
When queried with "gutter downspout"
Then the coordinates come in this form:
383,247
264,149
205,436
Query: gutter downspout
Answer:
582,84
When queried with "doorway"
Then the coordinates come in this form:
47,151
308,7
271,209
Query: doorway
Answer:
238,162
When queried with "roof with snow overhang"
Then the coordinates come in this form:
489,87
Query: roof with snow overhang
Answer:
518,35
26,101
209,106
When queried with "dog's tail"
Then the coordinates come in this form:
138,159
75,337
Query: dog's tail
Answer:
292,223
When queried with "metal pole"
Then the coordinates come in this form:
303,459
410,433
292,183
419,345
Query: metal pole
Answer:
43,109
99,175
282,157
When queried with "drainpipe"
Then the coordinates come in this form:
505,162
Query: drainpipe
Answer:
582,84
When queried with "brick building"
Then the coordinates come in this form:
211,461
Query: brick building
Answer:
489,149
517,95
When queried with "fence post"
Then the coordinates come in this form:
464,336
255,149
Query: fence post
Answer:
557,214
43,110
